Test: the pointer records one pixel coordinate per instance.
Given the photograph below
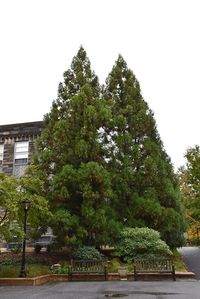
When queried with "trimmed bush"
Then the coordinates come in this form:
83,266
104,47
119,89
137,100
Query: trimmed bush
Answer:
87,253
140,243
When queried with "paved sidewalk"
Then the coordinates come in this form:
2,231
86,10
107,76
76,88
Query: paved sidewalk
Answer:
191,256
106,289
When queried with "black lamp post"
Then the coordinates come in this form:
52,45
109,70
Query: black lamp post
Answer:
27,204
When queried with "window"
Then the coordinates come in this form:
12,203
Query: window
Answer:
20,158
21,150
1,156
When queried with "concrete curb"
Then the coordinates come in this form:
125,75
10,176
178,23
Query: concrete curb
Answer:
33,281
39,280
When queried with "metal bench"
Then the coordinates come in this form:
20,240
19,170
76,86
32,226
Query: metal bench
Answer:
142,266
88,267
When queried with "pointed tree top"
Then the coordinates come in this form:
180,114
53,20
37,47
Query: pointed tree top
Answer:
122,77
81,54
121,60
77,76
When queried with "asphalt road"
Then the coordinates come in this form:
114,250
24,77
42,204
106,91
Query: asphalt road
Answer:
191,256
106,289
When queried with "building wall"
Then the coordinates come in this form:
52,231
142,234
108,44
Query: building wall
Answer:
16,133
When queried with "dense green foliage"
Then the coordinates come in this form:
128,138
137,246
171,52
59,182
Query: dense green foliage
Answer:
13,193
140,243
102,160
9,203
62,270
189,179
87,253
71,157
145,187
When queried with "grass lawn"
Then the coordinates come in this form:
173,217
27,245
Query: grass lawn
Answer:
36,264
32,270
179,265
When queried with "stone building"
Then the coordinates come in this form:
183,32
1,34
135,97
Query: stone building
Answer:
17,146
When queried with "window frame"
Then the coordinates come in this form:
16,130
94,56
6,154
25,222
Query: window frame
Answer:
21,154
20,158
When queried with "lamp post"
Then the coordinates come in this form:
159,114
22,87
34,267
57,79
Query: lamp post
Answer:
22,273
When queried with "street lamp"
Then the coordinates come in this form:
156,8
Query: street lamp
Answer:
22,273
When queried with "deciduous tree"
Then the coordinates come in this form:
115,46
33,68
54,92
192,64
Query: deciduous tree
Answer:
13,193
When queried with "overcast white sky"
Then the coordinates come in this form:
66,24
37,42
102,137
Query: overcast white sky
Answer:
159,39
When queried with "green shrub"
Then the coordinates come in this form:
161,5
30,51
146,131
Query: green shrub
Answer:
175,253
87,253
9,262
64,263
113,265
140,243
62,270
38,248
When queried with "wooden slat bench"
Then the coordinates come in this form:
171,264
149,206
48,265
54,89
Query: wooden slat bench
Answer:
88,267
142,266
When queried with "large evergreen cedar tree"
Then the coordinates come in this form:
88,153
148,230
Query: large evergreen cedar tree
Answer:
71,155
145,187
103,161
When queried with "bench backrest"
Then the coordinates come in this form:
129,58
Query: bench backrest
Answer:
153,264
88,265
